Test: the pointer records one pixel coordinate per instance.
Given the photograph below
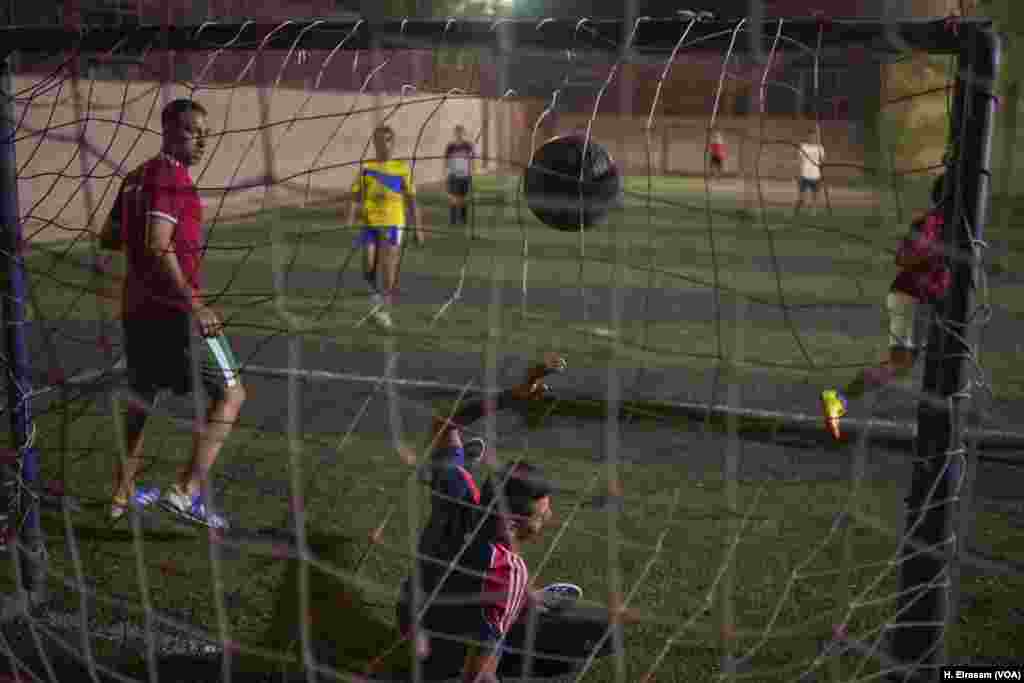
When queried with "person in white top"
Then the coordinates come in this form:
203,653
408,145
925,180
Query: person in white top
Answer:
812,156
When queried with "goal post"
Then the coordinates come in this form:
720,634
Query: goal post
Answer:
941,447
19,506
917,633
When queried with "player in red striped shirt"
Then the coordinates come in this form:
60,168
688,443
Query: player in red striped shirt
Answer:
474,625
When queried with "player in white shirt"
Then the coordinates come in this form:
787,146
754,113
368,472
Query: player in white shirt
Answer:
812,156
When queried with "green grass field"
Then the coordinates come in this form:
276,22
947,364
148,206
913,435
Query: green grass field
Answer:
674,241
792,575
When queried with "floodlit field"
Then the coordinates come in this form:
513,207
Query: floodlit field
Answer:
679,284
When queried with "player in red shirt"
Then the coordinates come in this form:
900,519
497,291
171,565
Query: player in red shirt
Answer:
717,154
923,279
157,220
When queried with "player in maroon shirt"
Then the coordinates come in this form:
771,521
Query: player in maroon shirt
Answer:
458,159
157,219
923,279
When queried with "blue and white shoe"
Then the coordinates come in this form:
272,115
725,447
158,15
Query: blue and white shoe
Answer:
142,497
191,508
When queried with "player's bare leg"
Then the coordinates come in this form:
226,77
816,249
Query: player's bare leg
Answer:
534,387
210,439
374,257
389,257
799,202
370,266
453,209
127,468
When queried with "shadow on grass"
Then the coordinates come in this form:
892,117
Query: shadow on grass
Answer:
346,632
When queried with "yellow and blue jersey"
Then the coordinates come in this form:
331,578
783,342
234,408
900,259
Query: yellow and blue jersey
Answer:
382,187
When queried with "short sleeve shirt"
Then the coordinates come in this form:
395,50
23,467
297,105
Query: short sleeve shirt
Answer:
454,511
811,158
488,590
458,157
383,187
931,280
160,188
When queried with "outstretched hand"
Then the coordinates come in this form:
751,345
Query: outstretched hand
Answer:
534,388
554,362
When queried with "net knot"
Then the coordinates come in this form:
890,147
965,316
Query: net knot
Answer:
102,264
55,376
952,23
857,55
824,20
104,344
169,568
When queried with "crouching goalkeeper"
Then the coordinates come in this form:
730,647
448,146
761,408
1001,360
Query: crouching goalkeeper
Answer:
475,614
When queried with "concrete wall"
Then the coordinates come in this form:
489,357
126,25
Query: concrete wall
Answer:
313,159
676,145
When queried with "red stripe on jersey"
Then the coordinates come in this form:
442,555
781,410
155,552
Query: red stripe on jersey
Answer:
505,588
474,490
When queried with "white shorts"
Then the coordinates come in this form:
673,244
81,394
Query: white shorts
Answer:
908,321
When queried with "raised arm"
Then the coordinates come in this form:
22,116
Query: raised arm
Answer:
448,428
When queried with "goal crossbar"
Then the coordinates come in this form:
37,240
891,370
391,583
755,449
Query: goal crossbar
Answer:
645,36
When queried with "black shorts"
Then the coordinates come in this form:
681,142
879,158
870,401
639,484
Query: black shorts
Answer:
561,643
716,162
808,184
159,354
459,186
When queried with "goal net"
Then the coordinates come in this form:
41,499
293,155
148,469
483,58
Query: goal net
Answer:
771,172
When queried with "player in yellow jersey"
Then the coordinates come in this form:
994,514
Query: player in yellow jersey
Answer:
382,195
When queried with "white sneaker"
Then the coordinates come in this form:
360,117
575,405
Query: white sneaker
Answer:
192,508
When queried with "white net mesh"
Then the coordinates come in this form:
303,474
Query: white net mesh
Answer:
699,501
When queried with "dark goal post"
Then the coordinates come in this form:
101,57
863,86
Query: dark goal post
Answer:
917,641
940,449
